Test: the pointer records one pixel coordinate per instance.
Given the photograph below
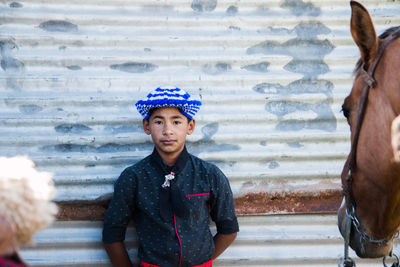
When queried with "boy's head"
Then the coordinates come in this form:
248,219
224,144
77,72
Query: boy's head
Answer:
168,97
168,117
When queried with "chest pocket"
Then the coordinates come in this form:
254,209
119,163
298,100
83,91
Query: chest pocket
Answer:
198,204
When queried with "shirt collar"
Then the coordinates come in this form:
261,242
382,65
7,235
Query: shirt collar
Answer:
179,164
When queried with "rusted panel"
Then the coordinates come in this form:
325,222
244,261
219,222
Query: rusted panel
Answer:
248,204
80,212
288,203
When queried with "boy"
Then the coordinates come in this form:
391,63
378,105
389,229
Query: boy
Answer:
170,194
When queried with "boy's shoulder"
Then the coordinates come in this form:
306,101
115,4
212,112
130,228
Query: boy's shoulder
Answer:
139,165
135,169
201,163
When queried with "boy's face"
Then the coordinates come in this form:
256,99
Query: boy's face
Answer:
168,128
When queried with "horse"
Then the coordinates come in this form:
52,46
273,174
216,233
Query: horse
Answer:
369,217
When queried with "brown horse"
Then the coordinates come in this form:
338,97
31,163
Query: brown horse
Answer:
371,175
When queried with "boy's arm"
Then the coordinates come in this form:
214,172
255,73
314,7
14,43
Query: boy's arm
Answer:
222,212
222,242
117,217
118,255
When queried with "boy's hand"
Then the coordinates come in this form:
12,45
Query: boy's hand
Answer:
118,255
222,242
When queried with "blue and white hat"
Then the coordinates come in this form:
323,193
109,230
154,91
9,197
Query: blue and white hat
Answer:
168,97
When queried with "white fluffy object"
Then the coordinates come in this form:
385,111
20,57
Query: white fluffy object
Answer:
25,197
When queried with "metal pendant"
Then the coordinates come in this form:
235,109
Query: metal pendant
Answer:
168,178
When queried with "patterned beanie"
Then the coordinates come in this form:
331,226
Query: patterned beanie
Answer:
168,97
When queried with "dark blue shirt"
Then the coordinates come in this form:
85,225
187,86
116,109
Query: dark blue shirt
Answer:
184,237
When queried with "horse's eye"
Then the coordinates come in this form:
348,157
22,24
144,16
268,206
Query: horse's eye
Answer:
346,112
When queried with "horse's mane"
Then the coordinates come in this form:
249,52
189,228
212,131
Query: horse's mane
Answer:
356,71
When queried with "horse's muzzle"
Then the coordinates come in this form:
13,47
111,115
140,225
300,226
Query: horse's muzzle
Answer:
362,247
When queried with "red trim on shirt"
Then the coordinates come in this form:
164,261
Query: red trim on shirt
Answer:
145,264
196,195
179,239
206,264
4,262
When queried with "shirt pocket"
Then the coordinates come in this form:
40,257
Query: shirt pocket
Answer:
198,205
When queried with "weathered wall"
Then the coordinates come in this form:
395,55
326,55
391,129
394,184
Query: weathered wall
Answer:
270,240
272,76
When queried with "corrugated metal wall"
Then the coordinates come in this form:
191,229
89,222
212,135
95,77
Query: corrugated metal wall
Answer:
272,76
269,240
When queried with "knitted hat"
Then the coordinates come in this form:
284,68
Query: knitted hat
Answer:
168,97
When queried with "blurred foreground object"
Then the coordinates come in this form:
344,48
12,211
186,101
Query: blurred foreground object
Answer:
25,205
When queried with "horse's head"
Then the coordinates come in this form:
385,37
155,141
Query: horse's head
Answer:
371,175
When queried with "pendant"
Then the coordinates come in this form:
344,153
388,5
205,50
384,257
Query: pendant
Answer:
168,178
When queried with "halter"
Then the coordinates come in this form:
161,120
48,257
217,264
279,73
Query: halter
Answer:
351,218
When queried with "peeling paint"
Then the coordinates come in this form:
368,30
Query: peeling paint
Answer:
275,30
207,144
30,109
234,28
295,144
303,86
204,5
263,143
134,67
284,107
309,68
305,49
16,5
58,26
10,64
209,130
291,125
273,165
106,148
325,118
72,128
259,67
216,69
300,8
308,53
232,10
123,129
7,47
74,67
311,29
